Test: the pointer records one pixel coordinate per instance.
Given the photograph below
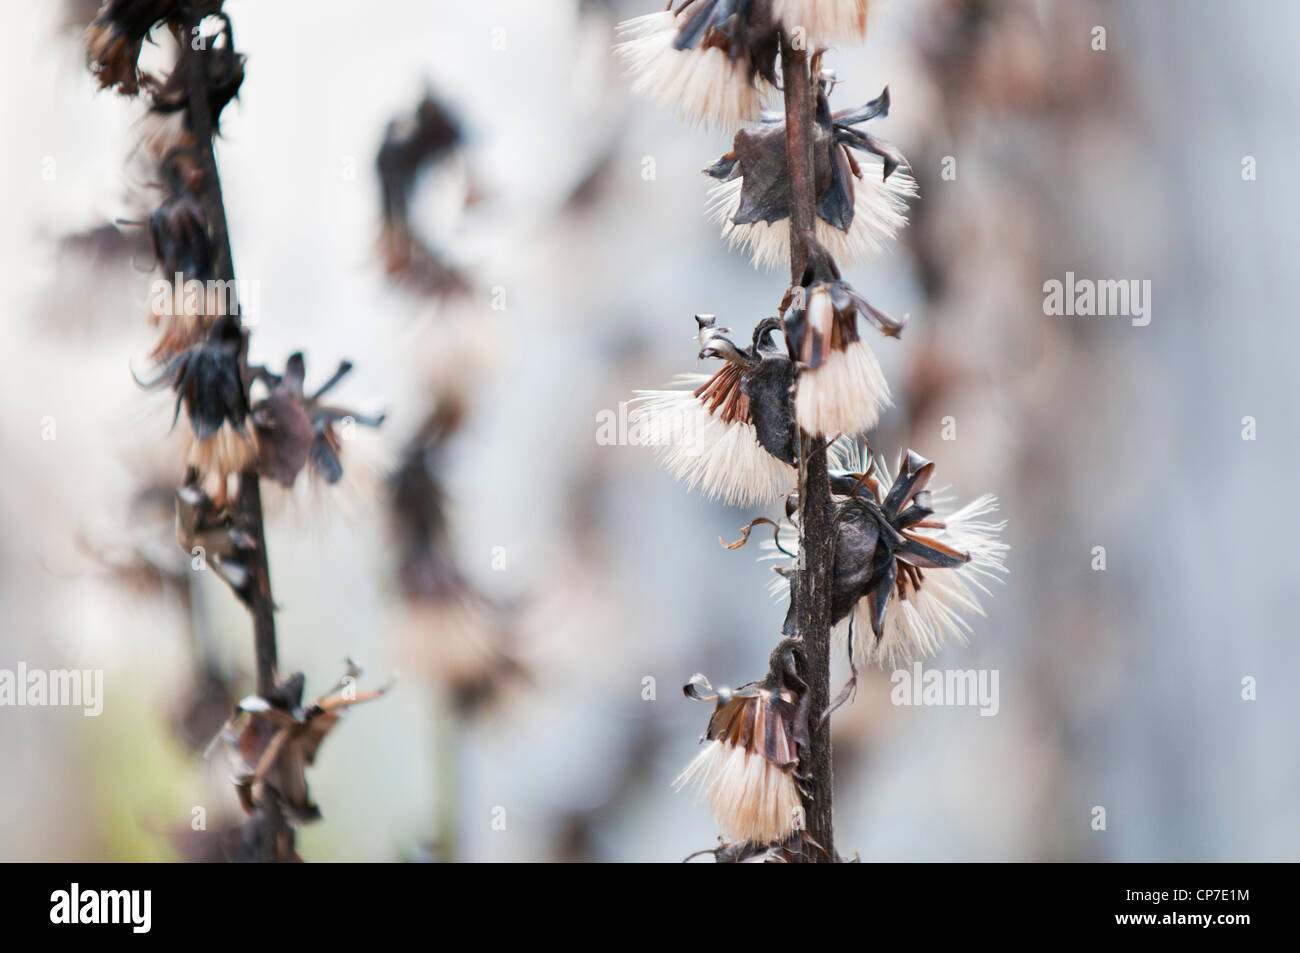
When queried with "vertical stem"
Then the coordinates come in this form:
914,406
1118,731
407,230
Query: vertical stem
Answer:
248,502
816,548
799,106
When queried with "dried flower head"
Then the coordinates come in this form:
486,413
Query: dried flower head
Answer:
412,146
212,531
907,569
169,122
115,36
182,245
861,204
208,384
841,387
732,434
709,59
747,767
281,737
294,429
446,627
178,226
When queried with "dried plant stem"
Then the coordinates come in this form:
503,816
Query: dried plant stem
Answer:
248,502
816,551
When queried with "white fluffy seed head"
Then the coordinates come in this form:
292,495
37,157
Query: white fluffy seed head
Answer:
879,211
703,85
724,459
824,22
919,626
844,394
752,799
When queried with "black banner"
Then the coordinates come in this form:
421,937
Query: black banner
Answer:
132,902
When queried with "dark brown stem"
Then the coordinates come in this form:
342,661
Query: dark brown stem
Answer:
248,502
816,550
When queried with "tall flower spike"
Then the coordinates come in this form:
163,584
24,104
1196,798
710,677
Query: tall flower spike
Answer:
906,573
708,58
732,434
861,204
841,388
747,767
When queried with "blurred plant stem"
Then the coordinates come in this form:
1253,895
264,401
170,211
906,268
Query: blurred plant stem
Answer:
248,503
447,760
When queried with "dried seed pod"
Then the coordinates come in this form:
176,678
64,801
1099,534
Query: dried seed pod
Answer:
183,248
907,567
114,37
178,227
712,60
208,384
732,434
747,767
294,429
281,737
861,204
210,531
169,124
841,388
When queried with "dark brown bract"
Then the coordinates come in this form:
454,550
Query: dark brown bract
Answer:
223,73
281,737
118,31
294,429
878,549
755,385
758,158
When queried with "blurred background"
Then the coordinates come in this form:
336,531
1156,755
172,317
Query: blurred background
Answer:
565,249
